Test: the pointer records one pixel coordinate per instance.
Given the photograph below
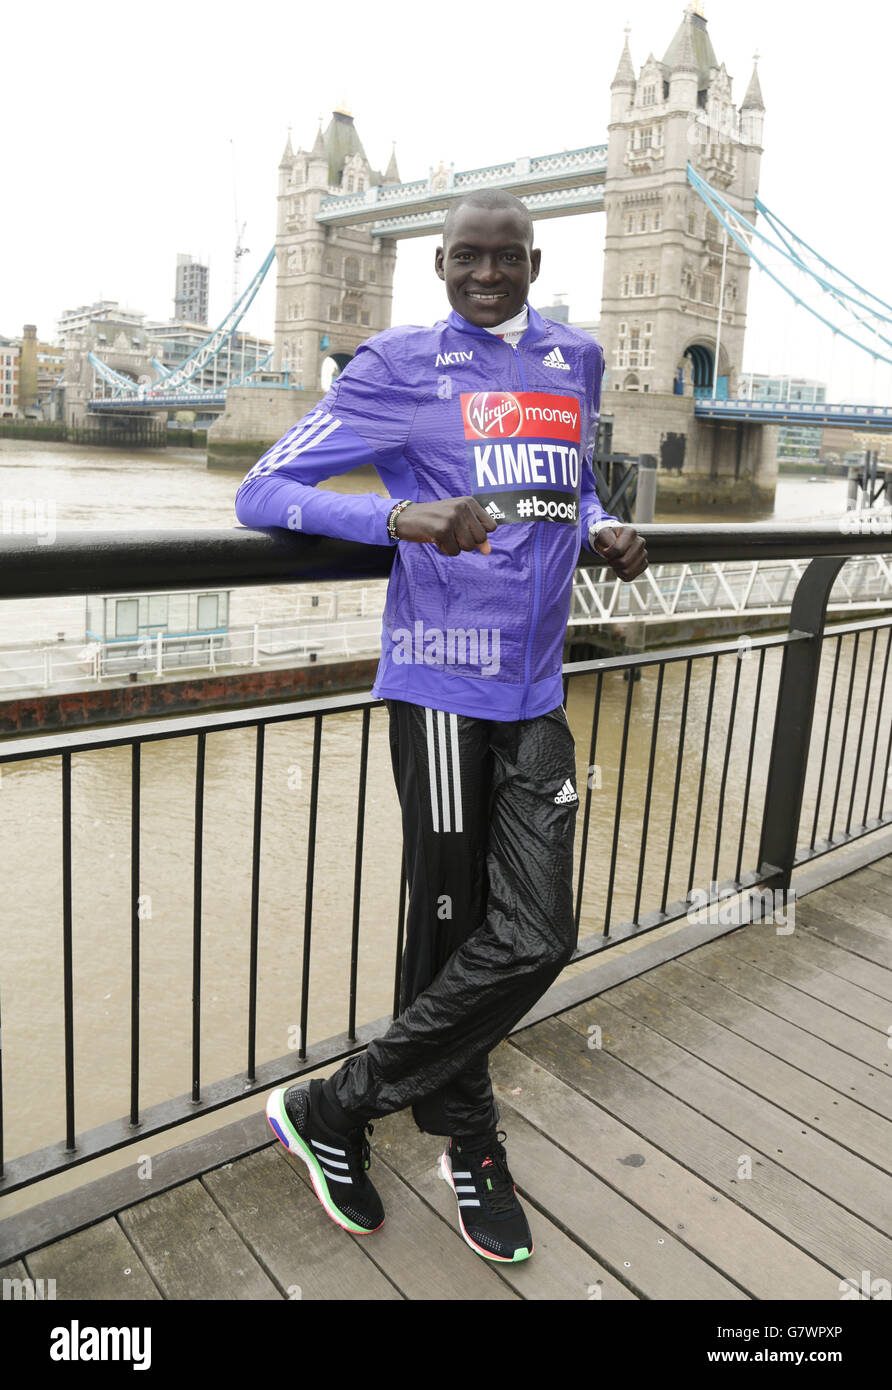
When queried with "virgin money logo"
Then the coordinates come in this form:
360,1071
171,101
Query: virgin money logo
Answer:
497,416
494,413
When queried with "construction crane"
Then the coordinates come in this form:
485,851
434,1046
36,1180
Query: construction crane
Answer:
239,251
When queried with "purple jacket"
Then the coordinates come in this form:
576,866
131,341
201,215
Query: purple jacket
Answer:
453,411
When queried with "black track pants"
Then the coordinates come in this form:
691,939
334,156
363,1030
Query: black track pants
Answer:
489,813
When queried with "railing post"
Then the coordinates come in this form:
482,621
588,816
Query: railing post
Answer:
788,765
645,501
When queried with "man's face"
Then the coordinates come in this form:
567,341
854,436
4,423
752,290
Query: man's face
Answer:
487,264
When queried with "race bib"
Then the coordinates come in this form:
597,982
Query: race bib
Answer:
524,455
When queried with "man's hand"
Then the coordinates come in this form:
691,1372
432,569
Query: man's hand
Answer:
453,525
623,549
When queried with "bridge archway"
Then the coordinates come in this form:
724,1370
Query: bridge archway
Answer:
332,365
697,366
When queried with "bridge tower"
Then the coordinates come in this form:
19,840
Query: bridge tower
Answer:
334,284
663,249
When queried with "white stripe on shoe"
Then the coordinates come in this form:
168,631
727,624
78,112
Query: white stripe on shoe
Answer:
317,1144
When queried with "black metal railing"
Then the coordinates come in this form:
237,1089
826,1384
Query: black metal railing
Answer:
673,737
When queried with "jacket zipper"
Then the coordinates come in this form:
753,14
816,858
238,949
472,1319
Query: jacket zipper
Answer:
537,537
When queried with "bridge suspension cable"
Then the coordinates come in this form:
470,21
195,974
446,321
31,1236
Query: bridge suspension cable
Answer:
773,218
177,381
217,340
121,383
747,236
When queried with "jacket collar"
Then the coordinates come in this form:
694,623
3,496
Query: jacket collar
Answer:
535,328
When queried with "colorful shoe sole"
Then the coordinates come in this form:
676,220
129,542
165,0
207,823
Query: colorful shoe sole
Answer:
522,1254
288,1136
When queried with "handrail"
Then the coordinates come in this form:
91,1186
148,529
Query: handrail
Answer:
91,562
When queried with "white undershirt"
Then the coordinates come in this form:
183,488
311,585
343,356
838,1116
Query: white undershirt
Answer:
512,330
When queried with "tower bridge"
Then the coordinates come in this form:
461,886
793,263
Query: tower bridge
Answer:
677,182
340,221
551,185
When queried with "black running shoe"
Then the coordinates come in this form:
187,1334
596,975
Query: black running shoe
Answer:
338,1163
491,1218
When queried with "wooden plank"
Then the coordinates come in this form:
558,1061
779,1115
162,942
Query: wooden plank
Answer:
883,866
98,1262
807,1218
191,1250
654,1260
869,908
559,1269
683,1021
279,1218
424,1257
870,883
867,1044
718,1229
842,931
756,1122
813,951
811,1055
72,1211
15,1269
774,956
878,880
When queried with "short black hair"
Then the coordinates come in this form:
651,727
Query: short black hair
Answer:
488,198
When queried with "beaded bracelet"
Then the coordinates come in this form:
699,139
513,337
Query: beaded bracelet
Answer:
391,520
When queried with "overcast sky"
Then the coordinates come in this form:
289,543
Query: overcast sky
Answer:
119,121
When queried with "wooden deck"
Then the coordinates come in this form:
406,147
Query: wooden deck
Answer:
730,1139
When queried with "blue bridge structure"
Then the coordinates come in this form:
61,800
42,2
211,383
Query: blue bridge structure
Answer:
872,417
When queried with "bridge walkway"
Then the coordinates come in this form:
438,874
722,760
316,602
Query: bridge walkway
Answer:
727,1134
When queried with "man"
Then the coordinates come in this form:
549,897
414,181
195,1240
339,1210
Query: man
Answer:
481,428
